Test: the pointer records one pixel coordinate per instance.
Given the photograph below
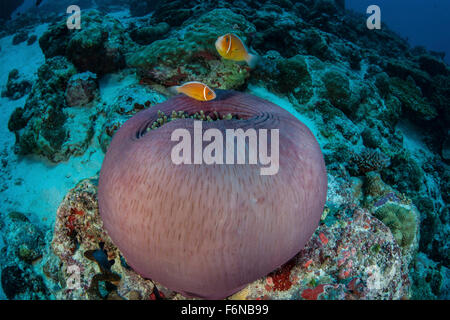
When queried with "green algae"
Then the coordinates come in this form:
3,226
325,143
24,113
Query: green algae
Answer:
401,221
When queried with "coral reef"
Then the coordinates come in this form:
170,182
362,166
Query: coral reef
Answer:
355,258
128,102
82,247
380,109
23,246
411,99
189,53
287,76
16,88
352,255
97,47
44,126
81,89
149,34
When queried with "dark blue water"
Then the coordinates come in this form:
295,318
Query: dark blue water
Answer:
422,22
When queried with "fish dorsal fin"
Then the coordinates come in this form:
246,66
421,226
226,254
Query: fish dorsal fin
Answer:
193,82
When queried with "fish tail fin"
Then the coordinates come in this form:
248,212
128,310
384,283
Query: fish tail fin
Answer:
252,60
174,90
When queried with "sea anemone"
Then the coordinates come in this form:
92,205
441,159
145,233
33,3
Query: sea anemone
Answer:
208,230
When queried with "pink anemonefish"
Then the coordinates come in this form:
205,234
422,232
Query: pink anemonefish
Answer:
196,90
230,47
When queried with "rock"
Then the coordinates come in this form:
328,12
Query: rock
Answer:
40,122
147,35
382,83
340,3
190,55
316,45
97,47
21,284
295,78
81,89
271,21
23,239
329,7
441,98
430,280
16,88
129,101
23,246
412,100
371,138
404,173
446,147
286,76
8,7
44,126
175,13
433,65
338,90
32,39
356,258
20,37
13,281
404,68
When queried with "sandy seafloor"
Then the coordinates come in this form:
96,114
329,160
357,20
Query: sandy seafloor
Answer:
35,186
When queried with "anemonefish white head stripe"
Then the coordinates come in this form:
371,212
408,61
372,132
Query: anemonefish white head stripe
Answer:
231,47
229,43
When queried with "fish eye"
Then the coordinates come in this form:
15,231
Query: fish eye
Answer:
209,93
226,39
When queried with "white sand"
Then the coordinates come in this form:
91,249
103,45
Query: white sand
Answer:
413,141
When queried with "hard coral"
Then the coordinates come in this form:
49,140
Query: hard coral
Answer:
369,160
401,220
192,48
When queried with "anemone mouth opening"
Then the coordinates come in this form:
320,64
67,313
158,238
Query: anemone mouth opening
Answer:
209,116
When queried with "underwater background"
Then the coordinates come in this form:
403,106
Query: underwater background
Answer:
376,100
